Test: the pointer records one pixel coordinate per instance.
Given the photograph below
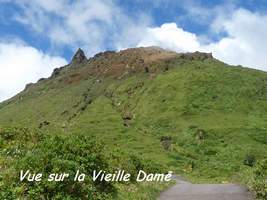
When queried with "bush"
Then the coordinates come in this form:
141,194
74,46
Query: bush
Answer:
249,160
166,142
19,134
58,155
8,133
46,154
258,183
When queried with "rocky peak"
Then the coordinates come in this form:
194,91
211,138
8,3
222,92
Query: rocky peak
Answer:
78,57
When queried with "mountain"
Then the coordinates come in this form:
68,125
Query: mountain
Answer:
186,112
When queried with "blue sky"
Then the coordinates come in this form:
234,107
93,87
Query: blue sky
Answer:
39,35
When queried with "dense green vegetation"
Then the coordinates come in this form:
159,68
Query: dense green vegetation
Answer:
194,115
24,150
257,181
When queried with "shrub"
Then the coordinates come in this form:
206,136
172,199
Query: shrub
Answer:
58,155
249,160
7,133
258,183
166,142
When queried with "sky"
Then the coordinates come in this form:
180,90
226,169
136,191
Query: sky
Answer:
37,36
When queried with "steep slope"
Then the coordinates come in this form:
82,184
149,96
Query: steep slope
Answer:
188,112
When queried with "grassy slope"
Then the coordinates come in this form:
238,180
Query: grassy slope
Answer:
228,103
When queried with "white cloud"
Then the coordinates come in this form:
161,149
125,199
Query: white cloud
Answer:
170,37
69,23
21,64
244,44
84,23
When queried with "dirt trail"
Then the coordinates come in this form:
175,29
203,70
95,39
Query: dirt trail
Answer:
184,190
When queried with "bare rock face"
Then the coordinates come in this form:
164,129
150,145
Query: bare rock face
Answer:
79,57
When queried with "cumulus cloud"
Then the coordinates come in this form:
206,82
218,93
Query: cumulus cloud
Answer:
244,43
89,24
21,64
68,23
171,37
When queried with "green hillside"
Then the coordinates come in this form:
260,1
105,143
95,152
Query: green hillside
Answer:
188,113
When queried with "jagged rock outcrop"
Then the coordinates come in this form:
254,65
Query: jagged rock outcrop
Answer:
104,54
79,57
57,71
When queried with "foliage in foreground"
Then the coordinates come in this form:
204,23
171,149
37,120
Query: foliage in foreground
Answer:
258,182
57,154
